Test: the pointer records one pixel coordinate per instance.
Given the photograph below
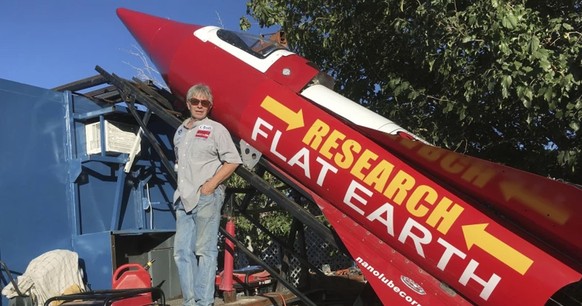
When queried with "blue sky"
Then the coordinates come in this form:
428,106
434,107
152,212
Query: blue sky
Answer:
47,43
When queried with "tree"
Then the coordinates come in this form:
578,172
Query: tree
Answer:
500,80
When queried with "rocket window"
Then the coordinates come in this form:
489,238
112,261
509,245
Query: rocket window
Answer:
252,44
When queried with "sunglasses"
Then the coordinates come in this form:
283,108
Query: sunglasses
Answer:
195,102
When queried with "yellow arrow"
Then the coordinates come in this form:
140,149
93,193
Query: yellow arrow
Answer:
475,234
536,203
293,119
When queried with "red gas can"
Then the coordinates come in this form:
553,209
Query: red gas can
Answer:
132,276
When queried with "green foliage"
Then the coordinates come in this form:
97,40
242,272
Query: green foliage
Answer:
264,211
497,79
268,214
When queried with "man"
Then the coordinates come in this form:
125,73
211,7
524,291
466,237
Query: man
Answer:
205,157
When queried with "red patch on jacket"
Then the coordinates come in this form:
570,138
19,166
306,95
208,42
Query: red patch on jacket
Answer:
202,134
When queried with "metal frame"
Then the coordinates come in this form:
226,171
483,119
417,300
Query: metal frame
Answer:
154,99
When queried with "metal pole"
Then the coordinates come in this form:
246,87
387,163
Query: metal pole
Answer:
226,284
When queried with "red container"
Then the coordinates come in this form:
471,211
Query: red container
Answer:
132,276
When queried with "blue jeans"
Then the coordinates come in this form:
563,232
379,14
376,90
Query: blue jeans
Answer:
196,248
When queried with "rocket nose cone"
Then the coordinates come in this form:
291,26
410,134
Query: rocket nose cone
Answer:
142,26
160,38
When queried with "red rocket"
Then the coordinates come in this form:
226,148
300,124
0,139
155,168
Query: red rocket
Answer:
427,226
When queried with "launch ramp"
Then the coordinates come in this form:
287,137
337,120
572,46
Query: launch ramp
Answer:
163,105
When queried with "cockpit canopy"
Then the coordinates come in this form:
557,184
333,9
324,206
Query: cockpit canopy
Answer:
255,45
